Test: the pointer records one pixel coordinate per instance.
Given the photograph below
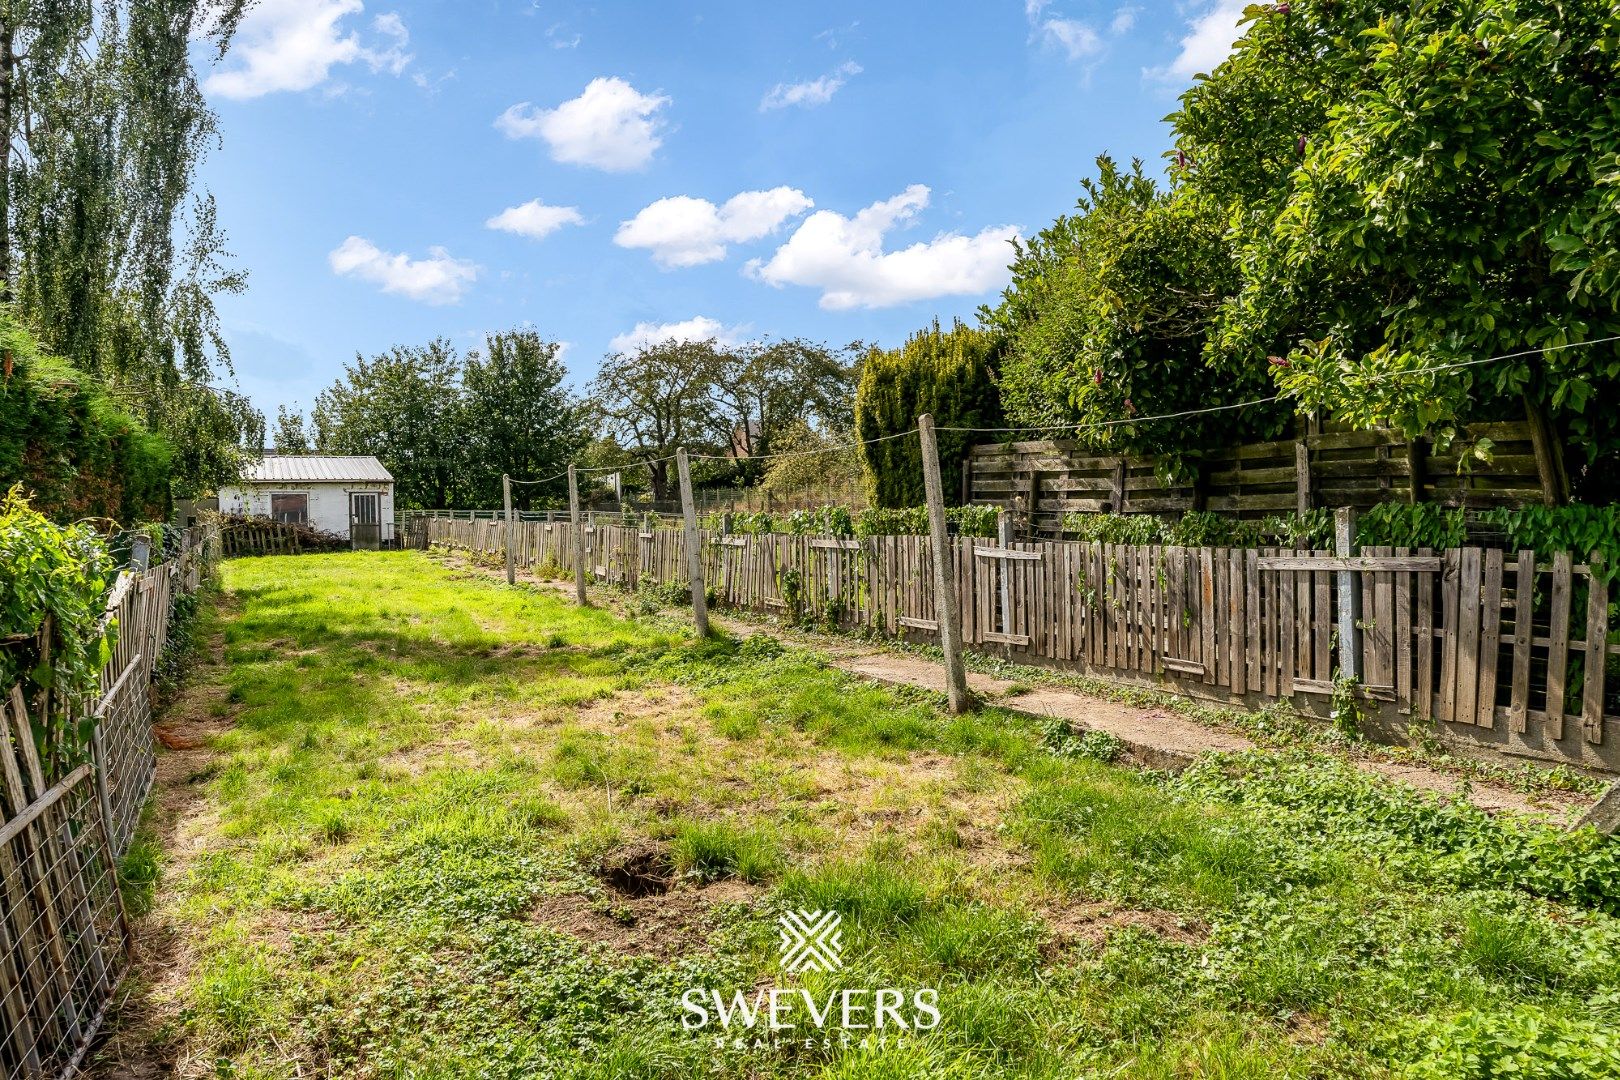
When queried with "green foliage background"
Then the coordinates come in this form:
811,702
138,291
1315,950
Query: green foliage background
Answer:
951,375
1363,195
75,451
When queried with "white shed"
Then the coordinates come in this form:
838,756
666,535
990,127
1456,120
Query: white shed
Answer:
333,494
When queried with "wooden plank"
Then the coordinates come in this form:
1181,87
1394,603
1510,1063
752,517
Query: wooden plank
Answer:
1423,673
1270,591
1558,643
1467,632
1386,563
1010,554
1490,639
1523,632
1237,621
1207,611
1381,641
1286,611
1597,636
1450,593
1403,637
1251,636
1005,639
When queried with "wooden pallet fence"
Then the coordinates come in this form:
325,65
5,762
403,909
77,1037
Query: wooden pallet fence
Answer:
1044,480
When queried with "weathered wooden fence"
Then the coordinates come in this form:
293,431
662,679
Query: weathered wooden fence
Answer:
1499,650
70,813
1045,480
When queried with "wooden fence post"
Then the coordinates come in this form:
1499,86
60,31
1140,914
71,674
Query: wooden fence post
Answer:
579,537
1549,454
1302,476
694,553
511,560
1344,544
947,612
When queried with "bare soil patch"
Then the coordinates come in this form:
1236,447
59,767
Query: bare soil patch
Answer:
673,923
1089,923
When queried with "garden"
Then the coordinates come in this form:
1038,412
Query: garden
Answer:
420,823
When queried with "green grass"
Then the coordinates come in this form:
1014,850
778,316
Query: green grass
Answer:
420,761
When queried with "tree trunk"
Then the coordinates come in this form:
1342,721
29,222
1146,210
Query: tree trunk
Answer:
660,480
8,72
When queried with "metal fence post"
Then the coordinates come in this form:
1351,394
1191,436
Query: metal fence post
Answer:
1344,545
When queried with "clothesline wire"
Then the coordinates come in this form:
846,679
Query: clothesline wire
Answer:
1094,424
1185,413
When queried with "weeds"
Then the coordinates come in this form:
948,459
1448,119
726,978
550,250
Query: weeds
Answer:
419,760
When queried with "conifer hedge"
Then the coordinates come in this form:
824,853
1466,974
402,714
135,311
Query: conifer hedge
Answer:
951,374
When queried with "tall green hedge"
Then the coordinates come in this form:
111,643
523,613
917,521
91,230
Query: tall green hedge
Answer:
949,374
75,452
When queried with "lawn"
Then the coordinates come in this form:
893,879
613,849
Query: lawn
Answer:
426,825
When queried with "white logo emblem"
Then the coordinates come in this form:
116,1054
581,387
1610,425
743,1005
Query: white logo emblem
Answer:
811,941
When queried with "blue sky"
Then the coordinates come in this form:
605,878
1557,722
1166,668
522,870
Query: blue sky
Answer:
394,171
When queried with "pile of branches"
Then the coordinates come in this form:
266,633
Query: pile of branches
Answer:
303,535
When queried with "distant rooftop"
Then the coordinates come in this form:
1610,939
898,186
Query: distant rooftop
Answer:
304,468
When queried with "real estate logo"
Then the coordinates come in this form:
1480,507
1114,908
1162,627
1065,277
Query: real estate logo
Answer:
771,1016
811,941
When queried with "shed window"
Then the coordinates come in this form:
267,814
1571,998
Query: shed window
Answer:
290,507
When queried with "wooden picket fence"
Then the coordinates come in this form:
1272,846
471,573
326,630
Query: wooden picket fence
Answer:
1493,647
70,813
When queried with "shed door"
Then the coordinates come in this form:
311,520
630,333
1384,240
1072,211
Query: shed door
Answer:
363,508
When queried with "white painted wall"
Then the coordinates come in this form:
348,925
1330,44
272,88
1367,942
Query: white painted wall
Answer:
328,503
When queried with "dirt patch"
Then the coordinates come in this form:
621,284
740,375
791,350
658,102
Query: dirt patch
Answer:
638,870
139,1040
1089,923
677,922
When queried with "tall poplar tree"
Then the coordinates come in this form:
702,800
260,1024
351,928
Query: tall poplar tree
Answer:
107,251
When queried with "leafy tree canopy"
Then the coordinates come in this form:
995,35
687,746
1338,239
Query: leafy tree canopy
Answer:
1364,190
447,427
107,251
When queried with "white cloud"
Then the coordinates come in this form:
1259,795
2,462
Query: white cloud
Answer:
697,328
610,126
1074,37
683,231
844,258
437,279
1207,41
294,45
812,93
535,219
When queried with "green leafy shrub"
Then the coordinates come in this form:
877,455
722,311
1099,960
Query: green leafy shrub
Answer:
951,375
75,452
55,577
1199,528
1578,527
1411,525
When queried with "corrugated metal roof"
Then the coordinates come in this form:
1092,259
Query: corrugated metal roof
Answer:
303,468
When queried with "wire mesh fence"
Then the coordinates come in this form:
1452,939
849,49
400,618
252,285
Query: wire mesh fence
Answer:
64,937
65,821
124,752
